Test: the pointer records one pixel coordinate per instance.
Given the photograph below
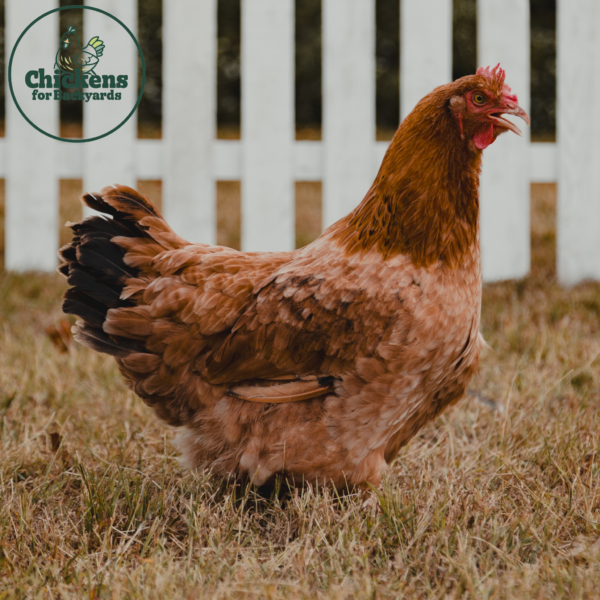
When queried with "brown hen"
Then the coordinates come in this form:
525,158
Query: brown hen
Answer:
317,364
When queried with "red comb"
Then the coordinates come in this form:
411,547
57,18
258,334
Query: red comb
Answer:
496,74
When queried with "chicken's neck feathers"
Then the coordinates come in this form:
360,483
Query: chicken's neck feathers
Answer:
424,202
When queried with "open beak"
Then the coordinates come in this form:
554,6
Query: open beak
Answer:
505,123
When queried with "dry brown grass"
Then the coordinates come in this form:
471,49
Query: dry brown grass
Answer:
484,503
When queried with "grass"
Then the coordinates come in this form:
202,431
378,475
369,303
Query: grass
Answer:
497,500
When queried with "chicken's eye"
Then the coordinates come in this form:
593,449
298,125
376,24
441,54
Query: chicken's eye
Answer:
479,99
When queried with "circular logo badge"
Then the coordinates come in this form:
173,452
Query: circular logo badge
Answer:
98,70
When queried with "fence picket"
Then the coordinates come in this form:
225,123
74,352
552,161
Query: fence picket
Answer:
426,49
267,125
503,37
31,185
578,133
111,159
189,115
348,104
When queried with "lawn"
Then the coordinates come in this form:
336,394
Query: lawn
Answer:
498,498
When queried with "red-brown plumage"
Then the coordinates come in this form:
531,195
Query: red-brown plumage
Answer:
398,216
321,363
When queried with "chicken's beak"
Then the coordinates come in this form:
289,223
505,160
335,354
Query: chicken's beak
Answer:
505,123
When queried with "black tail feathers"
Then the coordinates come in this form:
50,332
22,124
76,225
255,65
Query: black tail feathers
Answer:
95,269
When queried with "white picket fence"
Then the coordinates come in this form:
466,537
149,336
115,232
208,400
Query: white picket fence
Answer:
268,160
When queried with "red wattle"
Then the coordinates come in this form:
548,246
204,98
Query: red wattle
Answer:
485,137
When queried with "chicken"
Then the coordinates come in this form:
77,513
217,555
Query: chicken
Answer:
317,364
72,56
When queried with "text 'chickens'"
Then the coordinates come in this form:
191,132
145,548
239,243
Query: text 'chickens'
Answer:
76,81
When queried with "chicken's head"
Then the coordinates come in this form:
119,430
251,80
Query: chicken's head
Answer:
69,39
478,106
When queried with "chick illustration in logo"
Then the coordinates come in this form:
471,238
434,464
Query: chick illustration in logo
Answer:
71,55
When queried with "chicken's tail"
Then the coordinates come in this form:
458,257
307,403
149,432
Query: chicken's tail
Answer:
96,266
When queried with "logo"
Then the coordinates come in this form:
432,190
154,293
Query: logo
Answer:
74,69
87,72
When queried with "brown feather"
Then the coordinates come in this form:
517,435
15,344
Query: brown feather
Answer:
295,391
